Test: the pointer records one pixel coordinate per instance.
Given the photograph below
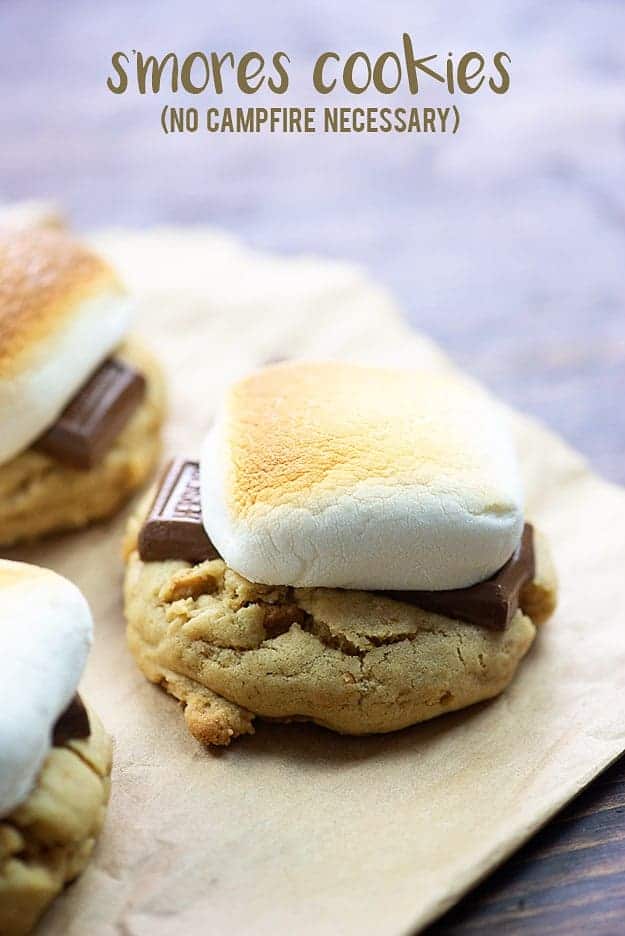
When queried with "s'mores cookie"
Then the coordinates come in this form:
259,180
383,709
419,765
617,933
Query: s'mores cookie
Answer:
80,406
351,549
55,758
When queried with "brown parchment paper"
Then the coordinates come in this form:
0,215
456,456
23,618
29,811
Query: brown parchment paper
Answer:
297,830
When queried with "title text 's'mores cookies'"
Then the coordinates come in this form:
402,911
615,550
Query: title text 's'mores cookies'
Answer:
55,758
352,549
80,409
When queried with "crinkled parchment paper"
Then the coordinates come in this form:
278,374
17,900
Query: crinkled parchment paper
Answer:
297,830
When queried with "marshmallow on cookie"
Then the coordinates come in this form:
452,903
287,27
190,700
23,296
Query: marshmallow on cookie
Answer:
62,313
80,407
340,476
46,632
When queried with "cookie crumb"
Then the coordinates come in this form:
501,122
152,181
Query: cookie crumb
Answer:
203,579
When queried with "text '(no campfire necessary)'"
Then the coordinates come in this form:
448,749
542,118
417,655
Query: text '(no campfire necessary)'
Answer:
310,120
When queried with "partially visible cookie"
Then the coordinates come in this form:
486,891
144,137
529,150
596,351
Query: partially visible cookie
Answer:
80,409
47,841
353,661
55,759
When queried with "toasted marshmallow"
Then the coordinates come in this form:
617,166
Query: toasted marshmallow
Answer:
340,476
45,635
62,312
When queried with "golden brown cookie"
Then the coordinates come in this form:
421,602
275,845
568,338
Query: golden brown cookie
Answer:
353,661
39,495
47,840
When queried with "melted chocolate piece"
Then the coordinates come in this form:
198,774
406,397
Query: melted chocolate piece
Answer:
73,724
492,603
93,419
173,529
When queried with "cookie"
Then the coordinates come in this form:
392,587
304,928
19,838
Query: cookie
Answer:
80,410
46,842
352,661
351,549
40,495
56,758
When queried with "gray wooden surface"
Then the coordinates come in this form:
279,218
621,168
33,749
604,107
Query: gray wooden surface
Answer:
506,243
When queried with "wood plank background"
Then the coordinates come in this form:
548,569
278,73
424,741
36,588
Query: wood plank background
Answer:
506,243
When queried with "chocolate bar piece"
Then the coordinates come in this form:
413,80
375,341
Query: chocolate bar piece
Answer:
72,724
490,604
173,529
93,419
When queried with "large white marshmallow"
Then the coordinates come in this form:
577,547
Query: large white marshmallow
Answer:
45,634
335,475
62,312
